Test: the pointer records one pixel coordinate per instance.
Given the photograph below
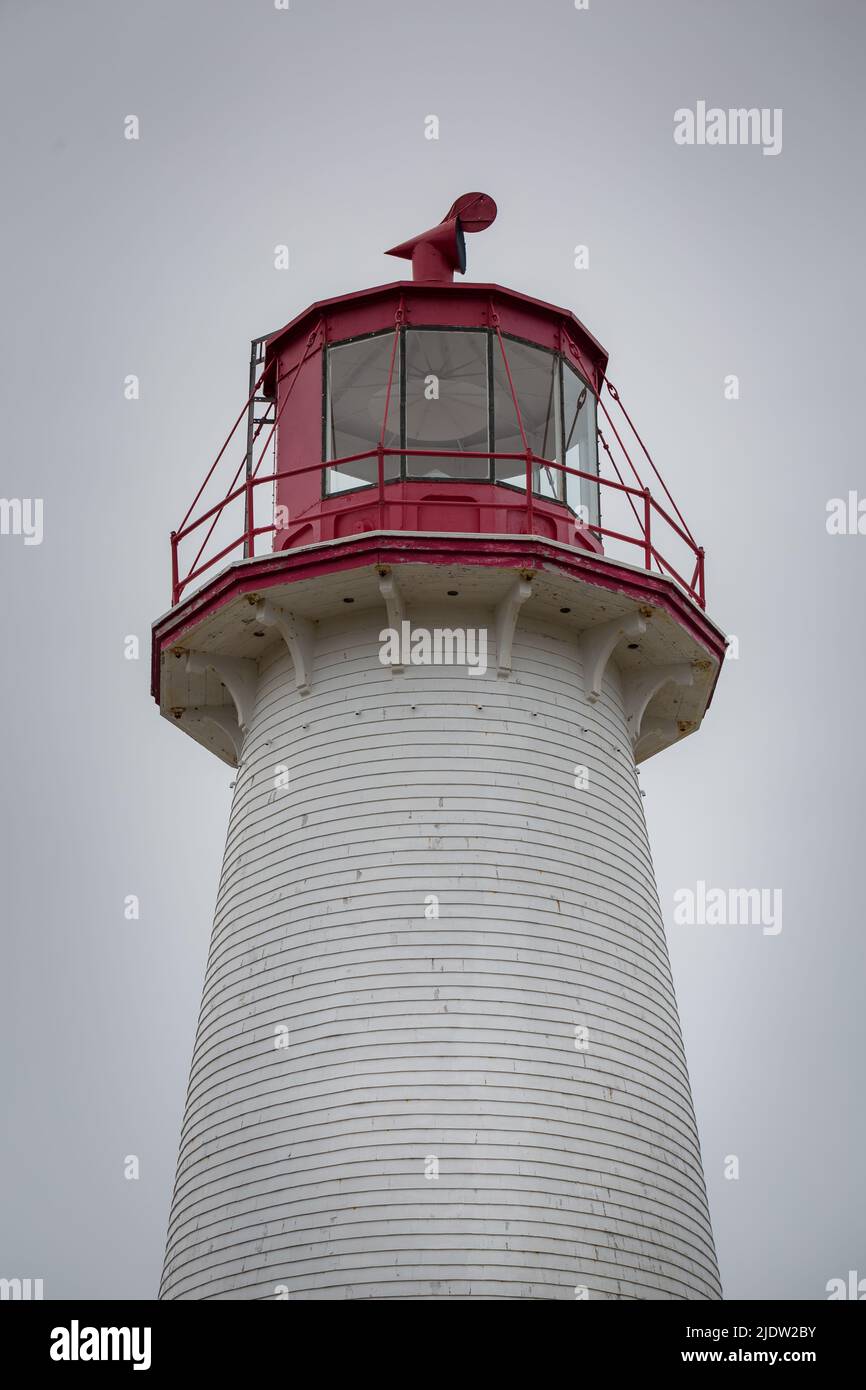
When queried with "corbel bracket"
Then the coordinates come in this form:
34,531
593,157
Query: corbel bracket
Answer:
639,687
238,674
596,647
298,635
655,733
396,611
221,715
506,615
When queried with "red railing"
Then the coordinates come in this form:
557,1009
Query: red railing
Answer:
648,515
644,541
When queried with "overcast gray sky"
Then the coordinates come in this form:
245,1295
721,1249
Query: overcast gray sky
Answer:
155,257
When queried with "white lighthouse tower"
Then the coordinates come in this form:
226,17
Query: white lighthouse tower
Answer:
438,1054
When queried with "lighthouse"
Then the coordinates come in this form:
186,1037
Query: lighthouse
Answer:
435,604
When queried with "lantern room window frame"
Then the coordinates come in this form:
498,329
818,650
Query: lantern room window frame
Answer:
558,485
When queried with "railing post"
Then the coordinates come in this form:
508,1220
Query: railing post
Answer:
380,473
251,523
175,586
530,519
702,597
647,528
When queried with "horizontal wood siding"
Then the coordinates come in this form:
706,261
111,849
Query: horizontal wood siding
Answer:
303,1168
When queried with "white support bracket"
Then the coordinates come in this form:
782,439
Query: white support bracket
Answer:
221,715
654,733
639,687
396,611
298,635
506,615
238,674
596,647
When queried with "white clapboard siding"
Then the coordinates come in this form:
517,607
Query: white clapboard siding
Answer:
302,1170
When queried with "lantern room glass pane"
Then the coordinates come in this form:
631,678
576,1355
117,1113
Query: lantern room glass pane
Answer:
535,374
581,445
356,387
446,403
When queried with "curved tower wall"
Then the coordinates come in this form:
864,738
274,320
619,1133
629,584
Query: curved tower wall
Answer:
351,1044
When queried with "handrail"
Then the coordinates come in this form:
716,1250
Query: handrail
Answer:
643,540
228,440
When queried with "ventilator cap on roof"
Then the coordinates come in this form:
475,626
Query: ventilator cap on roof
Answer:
437,253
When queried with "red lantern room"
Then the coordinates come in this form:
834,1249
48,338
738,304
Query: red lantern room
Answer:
433,404
430,409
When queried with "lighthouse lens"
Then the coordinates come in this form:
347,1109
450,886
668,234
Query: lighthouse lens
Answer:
446,404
